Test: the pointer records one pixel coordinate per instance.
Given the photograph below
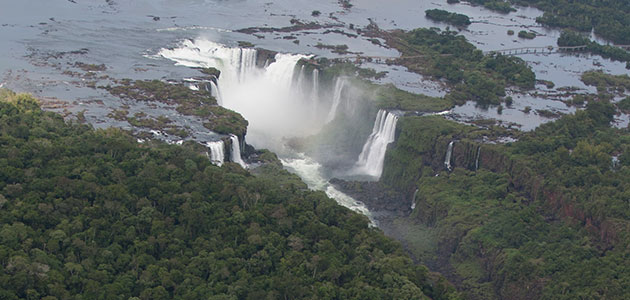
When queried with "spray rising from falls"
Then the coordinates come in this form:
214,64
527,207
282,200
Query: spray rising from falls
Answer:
235,155
217,152
271,98
447,158
373,154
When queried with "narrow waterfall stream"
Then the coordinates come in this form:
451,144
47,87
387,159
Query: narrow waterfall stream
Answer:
447,158
477,159
235,154
372,156
340,84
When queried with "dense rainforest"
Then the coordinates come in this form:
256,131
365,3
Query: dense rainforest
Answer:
546,217
93,214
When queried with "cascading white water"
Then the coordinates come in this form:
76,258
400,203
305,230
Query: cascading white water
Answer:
447,159
246,63
235,155
311,172
340,84
216,93
372,156
477,160
217,152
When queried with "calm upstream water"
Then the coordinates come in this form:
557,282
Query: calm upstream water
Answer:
43,39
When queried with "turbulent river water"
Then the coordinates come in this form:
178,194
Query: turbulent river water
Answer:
162,39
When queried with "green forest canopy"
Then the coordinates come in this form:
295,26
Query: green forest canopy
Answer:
92,214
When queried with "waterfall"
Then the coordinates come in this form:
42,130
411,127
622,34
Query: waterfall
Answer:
413,200
372,156
217,152
245,59
447,159
477,160
282,70
214,91
315,86
235,155
265,96
300,80
340,84
314,96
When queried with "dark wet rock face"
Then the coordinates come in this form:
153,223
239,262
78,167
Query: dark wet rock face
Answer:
379,198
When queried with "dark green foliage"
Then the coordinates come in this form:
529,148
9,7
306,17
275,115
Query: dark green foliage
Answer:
447,17
546,217
606,82
526,35
571,39
609,18
91,214
339,49
214,72
624,104
245,44
496,5
475,76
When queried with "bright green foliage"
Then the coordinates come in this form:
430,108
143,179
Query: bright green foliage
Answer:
88,214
